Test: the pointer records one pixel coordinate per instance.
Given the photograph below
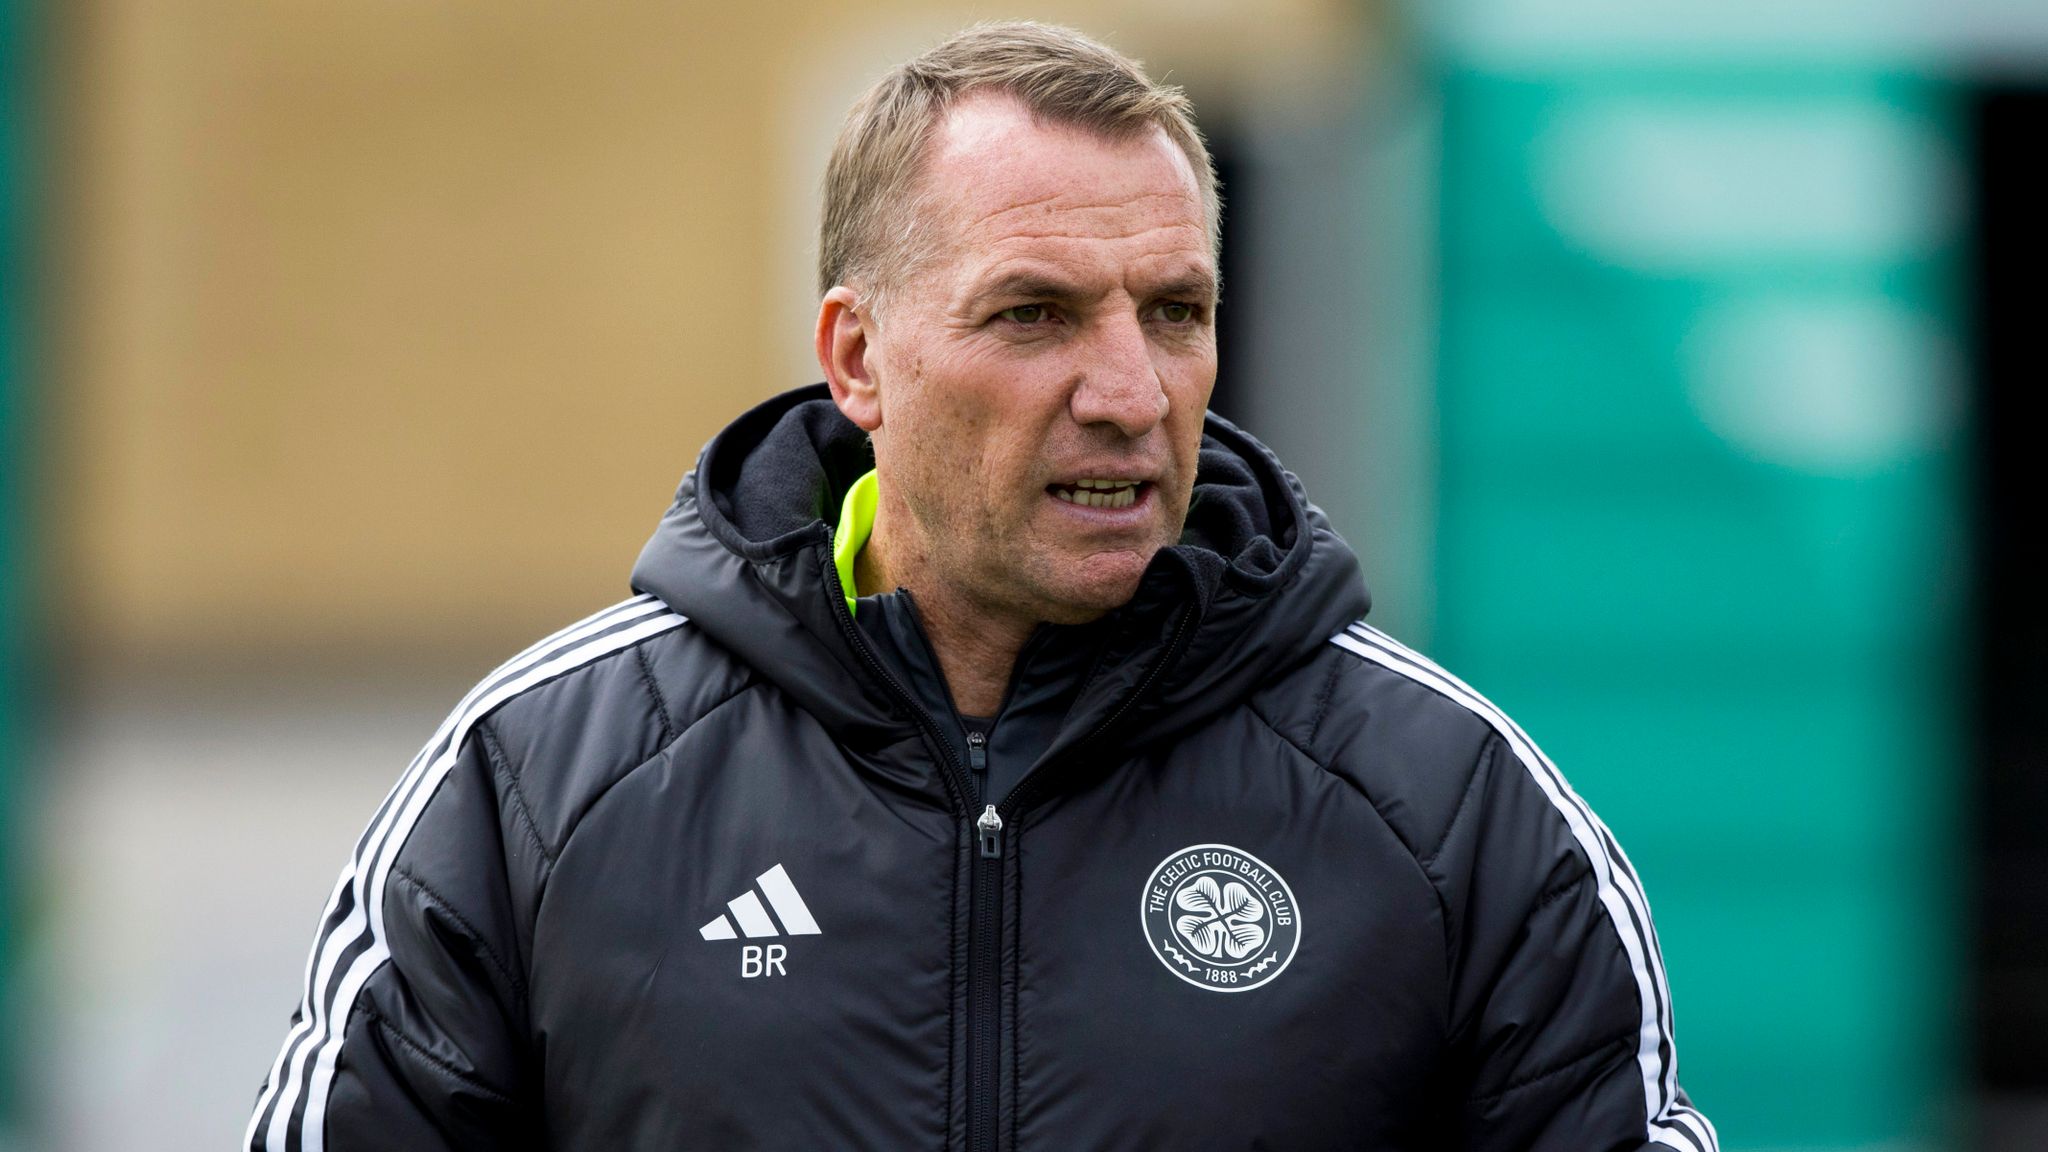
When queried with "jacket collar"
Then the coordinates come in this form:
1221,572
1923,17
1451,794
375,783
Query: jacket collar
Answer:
1257,583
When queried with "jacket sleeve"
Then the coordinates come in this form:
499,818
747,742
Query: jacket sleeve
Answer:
409,1034
1560,1014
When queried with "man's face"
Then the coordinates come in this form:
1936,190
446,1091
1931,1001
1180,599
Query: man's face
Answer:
1042,380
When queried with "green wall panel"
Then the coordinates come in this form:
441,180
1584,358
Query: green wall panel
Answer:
1700,452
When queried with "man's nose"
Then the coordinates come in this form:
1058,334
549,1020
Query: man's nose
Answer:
1119,383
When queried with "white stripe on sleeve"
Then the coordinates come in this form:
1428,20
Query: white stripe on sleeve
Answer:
306,1060
1670,1121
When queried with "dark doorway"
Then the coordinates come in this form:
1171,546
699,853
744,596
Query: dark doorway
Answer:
2010,1005
1233,343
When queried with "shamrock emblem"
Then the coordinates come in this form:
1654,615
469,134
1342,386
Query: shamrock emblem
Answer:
1220,921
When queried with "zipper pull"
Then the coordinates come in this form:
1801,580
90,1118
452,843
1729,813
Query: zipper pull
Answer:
977,751
991,827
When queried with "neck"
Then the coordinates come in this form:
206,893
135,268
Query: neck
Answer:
976,644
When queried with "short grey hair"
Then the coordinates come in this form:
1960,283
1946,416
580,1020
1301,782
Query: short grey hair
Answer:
873,231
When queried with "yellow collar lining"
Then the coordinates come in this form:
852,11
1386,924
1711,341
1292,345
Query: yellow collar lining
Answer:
856,521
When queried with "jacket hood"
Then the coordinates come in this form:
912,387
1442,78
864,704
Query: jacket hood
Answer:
1257,583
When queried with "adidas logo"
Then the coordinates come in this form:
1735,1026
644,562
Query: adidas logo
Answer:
753,918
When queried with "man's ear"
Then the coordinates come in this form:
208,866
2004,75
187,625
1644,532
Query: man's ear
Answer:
844,341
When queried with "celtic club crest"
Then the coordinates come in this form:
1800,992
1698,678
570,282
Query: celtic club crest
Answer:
1219,918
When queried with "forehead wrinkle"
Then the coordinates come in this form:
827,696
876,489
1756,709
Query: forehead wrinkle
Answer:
1072,254
1144,242
1137,232
1118,216
1114,204
1083,223
1006,209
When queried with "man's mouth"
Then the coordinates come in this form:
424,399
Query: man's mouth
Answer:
1092,493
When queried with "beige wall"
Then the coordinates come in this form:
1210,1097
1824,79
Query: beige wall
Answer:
387,328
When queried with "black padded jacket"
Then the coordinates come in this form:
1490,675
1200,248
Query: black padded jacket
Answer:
721,867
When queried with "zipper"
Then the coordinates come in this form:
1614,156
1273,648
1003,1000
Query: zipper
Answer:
984,925
991,828
984,985
985,976
977,752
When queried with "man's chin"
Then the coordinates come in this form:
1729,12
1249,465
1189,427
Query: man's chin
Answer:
1091,588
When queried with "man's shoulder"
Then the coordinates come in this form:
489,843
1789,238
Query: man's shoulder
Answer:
1390,722
1364,691
594,659
568,716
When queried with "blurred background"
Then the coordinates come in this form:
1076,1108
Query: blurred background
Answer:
1668,364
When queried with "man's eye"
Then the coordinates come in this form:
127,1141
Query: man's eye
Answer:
1176,312
1025,314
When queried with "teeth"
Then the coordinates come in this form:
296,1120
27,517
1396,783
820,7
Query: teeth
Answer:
1100,493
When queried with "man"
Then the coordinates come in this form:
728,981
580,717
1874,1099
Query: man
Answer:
992,758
